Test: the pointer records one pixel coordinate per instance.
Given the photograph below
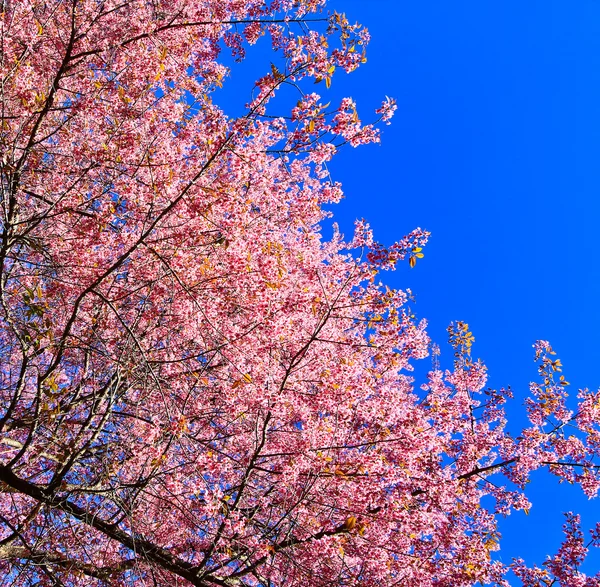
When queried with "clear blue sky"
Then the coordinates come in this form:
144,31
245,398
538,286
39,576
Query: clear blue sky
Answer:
495,149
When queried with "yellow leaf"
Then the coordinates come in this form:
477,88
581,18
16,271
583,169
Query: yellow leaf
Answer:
327,82
412,261
331,69
247,378
40,28
350,523
276,73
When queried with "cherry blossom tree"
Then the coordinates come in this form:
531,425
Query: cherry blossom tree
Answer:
196,388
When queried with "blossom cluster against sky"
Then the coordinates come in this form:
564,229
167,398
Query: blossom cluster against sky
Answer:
494,149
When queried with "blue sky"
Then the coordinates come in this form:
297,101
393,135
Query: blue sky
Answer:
495,150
